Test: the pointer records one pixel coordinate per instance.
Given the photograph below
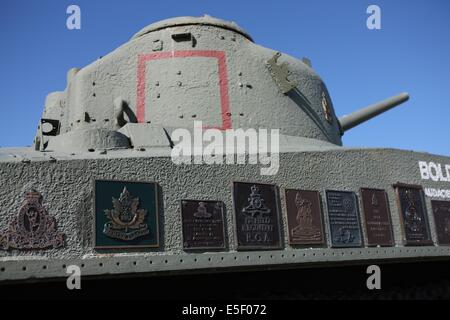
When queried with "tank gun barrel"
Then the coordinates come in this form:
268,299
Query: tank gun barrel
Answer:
350,121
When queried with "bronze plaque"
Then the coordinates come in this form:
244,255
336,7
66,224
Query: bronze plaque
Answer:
203,225
33,228
126,214
304,217
413,214
441,212
257,216
343,216
377,217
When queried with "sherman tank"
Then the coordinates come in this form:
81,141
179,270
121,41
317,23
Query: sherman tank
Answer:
101,190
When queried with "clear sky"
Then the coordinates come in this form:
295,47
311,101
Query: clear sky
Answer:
410,53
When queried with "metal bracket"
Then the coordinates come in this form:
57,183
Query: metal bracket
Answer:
326,109
280,74
157,45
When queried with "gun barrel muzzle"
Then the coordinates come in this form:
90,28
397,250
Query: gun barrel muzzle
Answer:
350,121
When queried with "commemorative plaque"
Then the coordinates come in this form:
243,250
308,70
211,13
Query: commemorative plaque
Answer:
413,214
377,217
33,228
304,217
441,212
257,216
343,216
126,214
203,225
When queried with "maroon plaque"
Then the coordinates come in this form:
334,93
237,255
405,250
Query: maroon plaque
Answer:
257,216
413,214
304,217
441,212
377,217
203,225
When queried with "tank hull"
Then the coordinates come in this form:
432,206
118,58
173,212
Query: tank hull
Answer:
66,183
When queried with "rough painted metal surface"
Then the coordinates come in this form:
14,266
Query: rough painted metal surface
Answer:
68,189
220,78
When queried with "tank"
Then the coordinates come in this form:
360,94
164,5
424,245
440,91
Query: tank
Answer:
100,190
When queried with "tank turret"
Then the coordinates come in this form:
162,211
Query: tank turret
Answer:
181,70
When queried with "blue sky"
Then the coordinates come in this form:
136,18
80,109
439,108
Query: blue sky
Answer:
359,66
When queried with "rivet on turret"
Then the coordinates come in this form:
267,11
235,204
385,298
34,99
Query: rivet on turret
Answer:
157,83
179,72
179,83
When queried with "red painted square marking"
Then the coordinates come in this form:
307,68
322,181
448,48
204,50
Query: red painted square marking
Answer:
223,79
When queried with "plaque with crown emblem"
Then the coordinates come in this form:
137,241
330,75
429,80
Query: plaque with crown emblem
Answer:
441,212
377,217
126,214
257,214
343,216
304,217
413,214
203,225
33,228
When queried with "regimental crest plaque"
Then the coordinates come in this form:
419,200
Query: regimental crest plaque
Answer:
126,214
304,217
203,225
343,216
413,214
377,217
441,212
32,228
257,216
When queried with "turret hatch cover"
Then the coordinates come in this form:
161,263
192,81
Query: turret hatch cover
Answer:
184,21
